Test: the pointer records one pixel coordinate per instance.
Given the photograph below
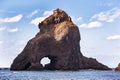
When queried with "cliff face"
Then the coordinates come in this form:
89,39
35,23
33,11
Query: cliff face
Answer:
58,40
117,68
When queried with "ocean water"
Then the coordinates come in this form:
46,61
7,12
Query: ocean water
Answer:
60,75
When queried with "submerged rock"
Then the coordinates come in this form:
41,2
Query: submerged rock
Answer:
117,68
58,40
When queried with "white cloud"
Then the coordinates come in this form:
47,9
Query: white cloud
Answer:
22,42
114,37
12,19
47,13
97,20
2,28
13,30
93,24
76,20
79,19
107,16
32,13
37,20
1,42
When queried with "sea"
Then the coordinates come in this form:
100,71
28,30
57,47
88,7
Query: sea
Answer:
6,74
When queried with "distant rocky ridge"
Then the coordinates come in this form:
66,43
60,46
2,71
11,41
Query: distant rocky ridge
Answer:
4,68
58,40
118,67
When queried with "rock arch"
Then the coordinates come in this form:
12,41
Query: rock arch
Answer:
60,43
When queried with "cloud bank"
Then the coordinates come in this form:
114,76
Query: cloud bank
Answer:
107,16
91,25
99,19
32,13
12,19
114,37
13,30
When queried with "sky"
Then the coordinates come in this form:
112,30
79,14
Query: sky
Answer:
97,20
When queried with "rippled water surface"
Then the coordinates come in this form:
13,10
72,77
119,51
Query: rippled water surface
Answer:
59,75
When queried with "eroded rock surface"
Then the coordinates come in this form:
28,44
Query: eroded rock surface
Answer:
58,40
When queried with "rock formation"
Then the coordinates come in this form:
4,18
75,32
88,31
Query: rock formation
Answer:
117,68
58,40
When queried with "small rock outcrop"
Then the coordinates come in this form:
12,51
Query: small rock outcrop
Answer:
117,68
58,40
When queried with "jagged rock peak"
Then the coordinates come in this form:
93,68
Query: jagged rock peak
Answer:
58,16
56,25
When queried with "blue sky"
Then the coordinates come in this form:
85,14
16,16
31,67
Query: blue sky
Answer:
98,22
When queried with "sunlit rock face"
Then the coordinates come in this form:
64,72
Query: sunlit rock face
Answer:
58,40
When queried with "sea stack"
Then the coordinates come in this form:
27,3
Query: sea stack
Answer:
59,40
117,68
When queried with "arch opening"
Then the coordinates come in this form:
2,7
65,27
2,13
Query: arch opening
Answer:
45,61
49,62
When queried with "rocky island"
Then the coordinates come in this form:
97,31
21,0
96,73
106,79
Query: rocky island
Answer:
59,40
117,68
